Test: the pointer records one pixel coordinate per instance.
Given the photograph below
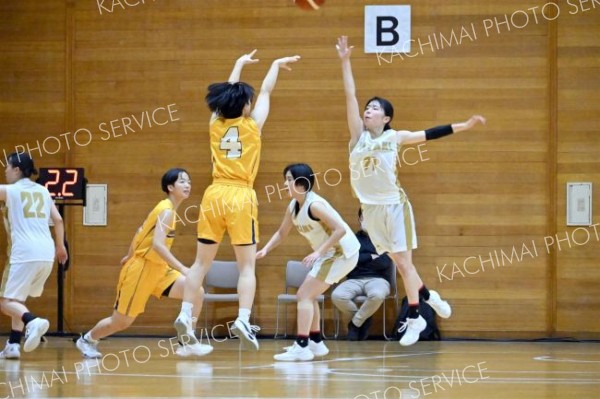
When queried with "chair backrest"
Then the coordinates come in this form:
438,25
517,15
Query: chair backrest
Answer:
295,273
223,274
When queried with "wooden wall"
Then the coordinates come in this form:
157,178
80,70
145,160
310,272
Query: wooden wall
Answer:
578,159
481,193
32,97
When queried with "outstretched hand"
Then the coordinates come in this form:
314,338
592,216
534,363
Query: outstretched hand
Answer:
342,48
474,120
471,122
283,62
247,58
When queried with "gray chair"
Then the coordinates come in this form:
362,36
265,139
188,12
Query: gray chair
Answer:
391,278
225,275
295,273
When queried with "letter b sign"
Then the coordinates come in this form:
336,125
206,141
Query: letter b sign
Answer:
387,29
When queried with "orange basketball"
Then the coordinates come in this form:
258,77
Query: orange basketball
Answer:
309,4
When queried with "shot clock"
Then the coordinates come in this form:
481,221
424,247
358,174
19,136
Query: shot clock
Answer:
64,184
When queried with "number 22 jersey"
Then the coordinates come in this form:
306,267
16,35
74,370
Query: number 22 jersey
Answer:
26,219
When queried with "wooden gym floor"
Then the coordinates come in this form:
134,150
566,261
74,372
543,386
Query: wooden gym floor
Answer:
146,367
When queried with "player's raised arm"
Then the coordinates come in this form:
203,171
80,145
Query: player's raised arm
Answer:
245,59
472,122
261,109
406,137
355,123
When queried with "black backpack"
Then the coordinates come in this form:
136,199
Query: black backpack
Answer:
430,333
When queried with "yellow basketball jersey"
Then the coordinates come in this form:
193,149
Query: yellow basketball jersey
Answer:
235,147
143,239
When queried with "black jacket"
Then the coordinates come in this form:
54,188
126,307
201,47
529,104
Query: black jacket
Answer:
367,266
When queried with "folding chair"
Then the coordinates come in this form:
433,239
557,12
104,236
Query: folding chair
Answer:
222,274
295,273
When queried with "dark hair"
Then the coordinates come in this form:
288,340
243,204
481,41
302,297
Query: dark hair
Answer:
22,161
302,174
388,109
229,99
170,177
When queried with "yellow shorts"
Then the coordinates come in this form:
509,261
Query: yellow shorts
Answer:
139,279
229,207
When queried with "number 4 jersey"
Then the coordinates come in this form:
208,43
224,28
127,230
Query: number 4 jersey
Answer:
26,218
235,147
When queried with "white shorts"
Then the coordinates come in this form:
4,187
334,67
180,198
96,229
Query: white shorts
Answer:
331,269
391,227
21,280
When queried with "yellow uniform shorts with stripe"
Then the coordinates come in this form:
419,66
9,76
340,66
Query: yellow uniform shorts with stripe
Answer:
139,279
232,208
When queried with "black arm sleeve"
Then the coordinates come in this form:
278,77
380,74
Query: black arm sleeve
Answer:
438,131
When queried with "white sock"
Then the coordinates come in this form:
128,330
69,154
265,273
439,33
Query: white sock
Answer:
244,314
186,307
88,338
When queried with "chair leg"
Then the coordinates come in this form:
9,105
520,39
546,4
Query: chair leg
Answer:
384,329
277,322
323,320
285,320
336,320
205,318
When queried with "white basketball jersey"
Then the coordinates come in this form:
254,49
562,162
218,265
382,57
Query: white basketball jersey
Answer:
373,169
26,218
317,232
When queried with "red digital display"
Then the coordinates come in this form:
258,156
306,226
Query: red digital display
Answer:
63,183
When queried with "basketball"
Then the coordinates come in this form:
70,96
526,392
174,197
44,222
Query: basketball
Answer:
309,4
